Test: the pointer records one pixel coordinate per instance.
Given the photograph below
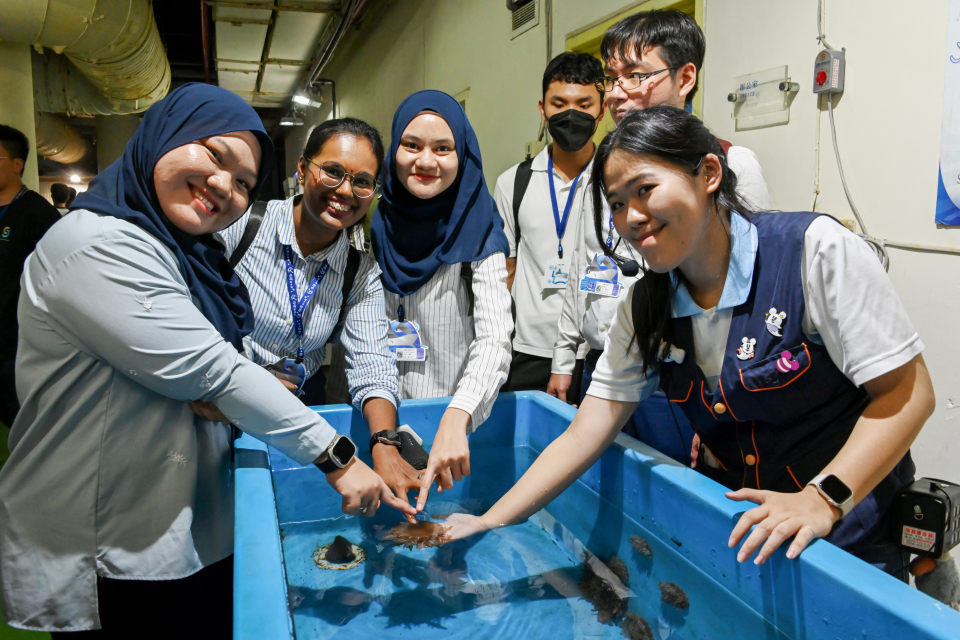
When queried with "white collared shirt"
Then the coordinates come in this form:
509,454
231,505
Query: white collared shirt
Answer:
369,365
538,310
851,308
587,317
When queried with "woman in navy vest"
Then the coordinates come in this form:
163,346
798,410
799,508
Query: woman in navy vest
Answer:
778,334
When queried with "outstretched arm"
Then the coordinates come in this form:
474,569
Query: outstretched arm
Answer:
594,428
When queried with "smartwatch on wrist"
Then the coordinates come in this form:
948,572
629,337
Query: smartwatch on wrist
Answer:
339,454
834,491
387,437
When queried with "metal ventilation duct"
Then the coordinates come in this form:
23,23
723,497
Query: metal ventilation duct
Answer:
113,43
58,141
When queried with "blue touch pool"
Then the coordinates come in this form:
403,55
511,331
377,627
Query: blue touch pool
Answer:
528,581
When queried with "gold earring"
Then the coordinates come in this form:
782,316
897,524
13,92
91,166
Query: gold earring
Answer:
301,181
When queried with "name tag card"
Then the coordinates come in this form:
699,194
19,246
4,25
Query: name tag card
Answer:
403,339
601,277
557,275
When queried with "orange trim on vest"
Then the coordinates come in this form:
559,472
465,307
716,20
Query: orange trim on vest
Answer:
807,368
704,401
689,391
794,478
727,402
756,467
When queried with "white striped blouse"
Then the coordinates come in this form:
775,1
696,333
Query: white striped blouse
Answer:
370,367
467,358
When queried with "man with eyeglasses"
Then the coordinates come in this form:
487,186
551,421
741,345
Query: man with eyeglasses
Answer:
650,58
25,216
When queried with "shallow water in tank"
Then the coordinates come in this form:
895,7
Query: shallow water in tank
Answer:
514,582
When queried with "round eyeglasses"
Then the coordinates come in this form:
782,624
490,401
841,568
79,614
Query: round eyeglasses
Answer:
627,82
332,174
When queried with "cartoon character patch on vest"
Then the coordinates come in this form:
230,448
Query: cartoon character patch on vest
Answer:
775,321
745,352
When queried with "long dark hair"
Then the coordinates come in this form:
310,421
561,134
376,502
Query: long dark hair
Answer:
681,139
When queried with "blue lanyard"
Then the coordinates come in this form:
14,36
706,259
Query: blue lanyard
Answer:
610,232
400,314
297,306
22,191
561,223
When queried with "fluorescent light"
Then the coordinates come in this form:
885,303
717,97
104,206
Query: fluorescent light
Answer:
75,178
299,99
289,121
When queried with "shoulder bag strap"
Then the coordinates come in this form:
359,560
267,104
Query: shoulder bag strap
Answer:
520,184
349,276
257,212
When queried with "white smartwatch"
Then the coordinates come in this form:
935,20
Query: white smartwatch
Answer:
834,491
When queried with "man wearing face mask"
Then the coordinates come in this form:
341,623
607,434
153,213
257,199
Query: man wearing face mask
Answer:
542,201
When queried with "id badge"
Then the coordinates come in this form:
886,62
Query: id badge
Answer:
601,277
557,275
404,341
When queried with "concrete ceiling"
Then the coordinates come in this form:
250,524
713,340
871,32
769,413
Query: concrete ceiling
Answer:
263,54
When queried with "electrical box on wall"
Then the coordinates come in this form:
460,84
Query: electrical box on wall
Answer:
828,71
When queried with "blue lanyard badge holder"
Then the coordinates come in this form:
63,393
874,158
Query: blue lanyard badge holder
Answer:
557,274
403,338
288,368
602,276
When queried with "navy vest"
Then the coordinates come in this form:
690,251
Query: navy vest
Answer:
782,410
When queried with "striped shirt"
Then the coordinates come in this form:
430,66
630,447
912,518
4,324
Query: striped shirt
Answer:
467,358
370,368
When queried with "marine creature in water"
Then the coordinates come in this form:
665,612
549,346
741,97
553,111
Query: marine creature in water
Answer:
609,606
340,551
420,535
635,627
641,546
341,554
619,569
673,595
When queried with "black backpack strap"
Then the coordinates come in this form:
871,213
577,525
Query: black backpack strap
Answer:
520,184
257,212
349,276
466,274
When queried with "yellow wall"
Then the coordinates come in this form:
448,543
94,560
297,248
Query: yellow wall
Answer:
888,121
16,101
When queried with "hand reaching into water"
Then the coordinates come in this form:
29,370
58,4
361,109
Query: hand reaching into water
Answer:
363,491
449,455
463,525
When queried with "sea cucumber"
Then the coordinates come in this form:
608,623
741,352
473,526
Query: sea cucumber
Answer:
673,595
636,628
619,569
609,606
641,546
340,551
420,535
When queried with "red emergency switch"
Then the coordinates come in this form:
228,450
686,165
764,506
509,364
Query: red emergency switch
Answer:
821,77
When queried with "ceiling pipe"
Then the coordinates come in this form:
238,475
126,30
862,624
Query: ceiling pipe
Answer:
115,44
58,141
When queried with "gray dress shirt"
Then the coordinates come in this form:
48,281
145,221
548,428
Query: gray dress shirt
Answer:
110,472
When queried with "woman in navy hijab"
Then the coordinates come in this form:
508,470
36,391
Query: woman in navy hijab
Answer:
439,241
116,504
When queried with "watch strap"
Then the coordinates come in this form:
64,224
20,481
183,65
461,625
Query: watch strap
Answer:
845,507
387,436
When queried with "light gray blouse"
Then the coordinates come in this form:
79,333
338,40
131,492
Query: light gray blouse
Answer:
110,472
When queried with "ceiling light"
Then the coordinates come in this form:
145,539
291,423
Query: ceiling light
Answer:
304,100
291,121
75,178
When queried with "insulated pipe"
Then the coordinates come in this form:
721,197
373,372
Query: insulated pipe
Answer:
114,43
58,141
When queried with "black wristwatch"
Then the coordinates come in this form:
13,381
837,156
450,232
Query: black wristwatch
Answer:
339,454
387,436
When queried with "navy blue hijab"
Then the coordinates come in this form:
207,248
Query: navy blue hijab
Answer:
126,190
411,237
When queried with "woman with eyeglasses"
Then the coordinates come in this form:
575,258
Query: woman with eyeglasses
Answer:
310,287
439,241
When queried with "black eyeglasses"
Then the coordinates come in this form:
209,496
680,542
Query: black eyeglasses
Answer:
332,174
628,82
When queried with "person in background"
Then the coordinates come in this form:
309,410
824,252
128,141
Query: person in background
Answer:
25,216
308,236
650,58
116,504
778,334
60,194
542,200
439,242
70,199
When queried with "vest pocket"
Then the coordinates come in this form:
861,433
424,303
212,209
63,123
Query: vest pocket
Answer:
777,370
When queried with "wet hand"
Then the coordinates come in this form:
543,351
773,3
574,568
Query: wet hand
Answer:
449,456
208,411
559,385
363,491
462,525
399,476
805,515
